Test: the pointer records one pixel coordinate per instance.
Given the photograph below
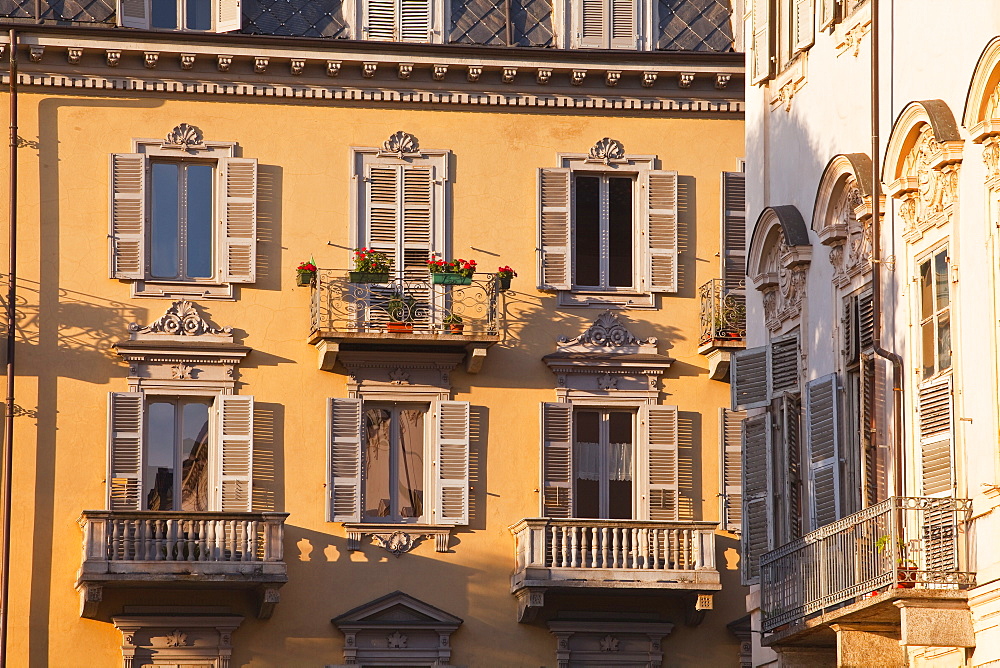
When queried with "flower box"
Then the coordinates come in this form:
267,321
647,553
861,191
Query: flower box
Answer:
447,278
304,278
504,282
400,327
367,277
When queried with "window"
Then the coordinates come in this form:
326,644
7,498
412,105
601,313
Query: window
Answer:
603,443
180,453
607,24
935,314
183,222
399,20
200,15
603,234
393,462
780,30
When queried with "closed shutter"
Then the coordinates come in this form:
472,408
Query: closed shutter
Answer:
734,217
937,460
659,438
553,229
784,365
557,460
417,221
451,457
382,191
239,218
344,436
791,466
236,446
804,24
760,45
824,451
661,190
748,374
730,456
380,19
125,434
133,14
415,20
756,538
229,17
828,13
127,211
623,24
593,24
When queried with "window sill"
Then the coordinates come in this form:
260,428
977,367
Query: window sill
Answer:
158,290
397,538
612,300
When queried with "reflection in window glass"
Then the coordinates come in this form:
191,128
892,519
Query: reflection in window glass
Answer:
177,440
166,220
588,231
935,315
163,14
182,204
378,424
394,464
603,232
199,221
620,232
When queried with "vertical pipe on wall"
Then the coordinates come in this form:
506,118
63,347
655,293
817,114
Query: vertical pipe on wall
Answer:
508,31
8,432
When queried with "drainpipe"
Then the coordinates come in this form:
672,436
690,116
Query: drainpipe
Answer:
8,432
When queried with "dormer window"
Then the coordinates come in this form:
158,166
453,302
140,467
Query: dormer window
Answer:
192,15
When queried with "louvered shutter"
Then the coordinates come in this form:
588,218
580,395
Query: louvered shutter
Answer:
869,445
451,456
823,451
236,448
792,466
935,415
760,45
661,190
804,24
239,219
125,434
730,457
417,220
756,537
593,24
734,255
344,437
415,20
784,365
133,14
229,17
866,322
623,24
382,194
659,463
557,460
748,374
380,19
828,13
553,229
127,211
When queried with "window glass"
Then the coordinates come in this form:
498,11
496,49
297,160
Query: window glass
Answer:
620,232
164,14
199,221
165,220
411,463
198,14
603,454
941,280
588,463
935,314
182,207
603,233
394,464
619,466
378,423
194,453
159,473
177,440
588,231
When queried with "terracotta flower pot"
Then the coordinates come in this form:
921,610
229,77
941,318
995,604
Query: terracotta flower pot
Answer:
400,327
456,327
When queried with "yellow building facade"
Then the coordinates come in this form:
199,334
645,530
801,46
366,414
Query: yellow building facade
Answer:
245,459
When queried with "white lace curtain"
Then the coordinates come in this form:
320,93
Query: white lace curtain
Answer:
588,461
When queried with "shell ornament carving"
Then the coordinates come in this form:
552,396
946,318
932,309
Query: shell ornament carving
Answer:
401,144
608,150
181,319
184,136
607,332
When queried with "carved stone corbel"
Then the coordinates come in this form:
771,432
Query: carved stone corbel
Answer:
530,602
150,59
439,73
544,75
223,63
368,70
73,55
187,61
475,71
332,68
297,66
612,78
405,70
722,80
268,597
648,79
577,76
260,64
685,79
508,75
91,596
113,57
35,52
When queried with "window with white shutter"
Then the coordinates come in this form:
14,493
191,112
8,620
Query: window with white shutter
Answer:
804,24
189,15
937,462
659,463
399,20
731,468
761,49
607,24
757,473
557,459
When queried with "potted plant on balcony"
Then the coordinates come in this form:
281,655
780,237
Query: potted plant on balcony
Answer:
370,266
400,309
906,568
455,324
305,273
453,272
504,274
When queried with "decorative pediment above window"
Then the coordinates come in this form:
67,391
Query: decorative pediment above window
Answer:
397,629
607,150
778,262
181,348
842,216
163,639
400,145
607,359
185,137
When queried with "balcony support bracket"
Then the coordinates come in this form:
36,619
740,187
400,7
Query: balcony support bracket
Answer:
935,623
91,596
475,356
530,601
327,354
868,644
718,364
267,597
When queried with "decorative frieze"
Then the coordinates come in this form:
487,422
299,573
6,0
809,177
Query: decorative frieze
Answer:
182,318
928,186
395,539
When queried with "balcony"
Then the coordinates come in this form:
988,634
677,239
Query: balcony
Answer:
610,556
723,324
203,550
868,566
405,315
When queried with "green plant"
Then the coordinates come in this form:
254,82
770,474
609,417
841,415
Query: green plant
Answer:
458,266
453,319
883,542
371,261
401,308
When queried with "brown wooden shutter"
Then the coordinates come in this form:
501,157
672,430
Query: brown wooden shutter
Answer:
734,217
659,463
756,536
127,209
236,448
451,460
125,452
791,407
825,475
730,457
553,229
749,378
557,460
661,191
239,218
784,365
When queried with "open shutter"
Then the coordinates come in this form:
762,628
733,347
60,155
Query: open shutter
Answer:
805,22
236,446
623,24
791,408
415,20
125,430
829,13
382,207
784,365
553,229
937,460
869,445
824,452
756,538
127,211
380,19
451,456
593,24
748,374
734,218
239,219
659,435
760,45
344,435
661,190
730,456
557,460
229,17
133,14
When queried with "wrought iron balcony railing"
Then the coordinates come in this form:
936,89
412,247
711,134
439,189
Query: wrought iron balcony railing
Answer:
901,543
411,305
723,312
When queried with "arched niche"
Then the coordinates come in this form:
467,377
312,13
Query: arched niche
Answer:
842,215
778,262
982,108
921,166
